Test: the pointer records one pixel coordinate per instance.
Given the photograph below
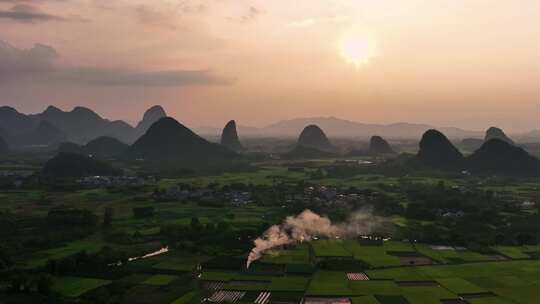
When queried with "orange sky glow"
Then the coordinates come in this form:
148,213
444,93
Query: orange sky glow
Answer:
469,64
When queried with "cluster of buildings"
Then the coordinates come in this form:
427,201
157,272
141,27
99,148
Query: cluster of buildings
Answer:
330,196
211,193
450,213
115,181
14,178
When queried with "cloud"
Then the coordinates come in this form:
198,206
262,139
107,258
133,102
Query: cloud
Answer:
39,65
27,14
251,15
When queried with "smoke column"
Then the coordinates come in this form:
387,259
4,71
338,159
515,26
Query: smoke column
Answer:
306,226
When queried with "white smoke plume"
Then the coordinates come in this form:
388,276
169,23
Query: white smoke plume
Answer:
308,225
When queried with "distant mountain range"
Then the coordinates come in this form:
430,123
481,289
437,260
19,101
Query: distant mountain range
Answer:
79,125
335,127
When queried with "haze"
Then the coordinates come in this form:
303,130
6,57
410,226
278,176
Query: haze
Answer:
468,64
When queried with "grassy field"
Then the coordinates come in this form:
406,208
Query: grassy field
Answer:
451,255
74,286
329,283
185,299
515,252
325,248
39,259
160,280
375,256
263,176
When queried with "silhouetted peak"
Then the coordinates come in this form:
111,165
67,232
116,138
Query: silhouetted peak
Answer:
151,116
497,156
169,140
229,137
169,124
378,145
436,150
314,137
84,110
497,133
52,110
155,112
8,109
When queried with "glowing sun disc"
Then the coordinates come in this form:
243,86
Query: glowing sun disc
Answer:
356,49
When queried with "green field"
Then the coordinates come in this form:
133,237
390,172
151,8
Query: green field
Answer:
451,255
375,256
325,248
160,280
74,286
500,281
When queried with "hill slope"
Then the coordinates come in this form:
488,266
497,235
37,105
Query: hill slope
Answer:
379,146
314,137
105,147
168,141
499,157
438,152
66,165
496,133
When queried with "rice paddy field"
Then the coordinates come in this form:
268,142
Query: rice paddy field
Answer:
372,273
361,272
455,275
75,287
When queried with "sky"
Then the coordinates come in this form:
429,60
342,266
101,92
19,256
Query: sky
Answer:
464,63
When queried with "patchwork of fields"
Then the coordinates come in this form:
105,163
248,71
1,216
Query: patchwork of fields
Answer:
330,272
455,275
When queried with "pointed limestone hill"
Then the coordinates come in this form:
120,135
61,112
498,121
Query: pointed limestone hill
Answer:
438,152
150,117
105,147
168,141
313,137
499,157
229,137
497,133
379,146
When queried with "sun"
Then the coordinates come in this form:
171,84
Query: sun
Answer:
357,49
